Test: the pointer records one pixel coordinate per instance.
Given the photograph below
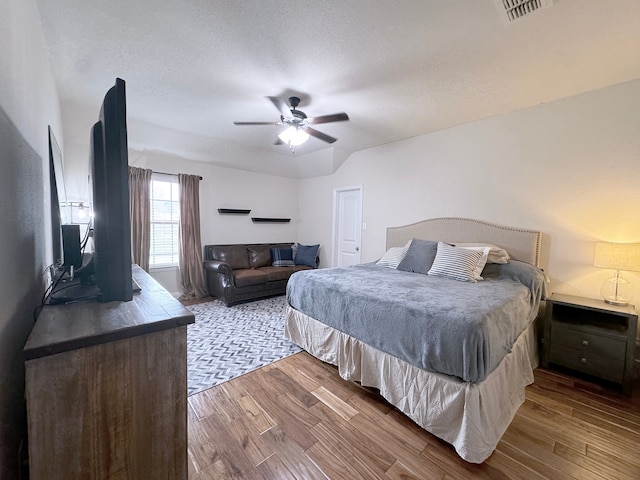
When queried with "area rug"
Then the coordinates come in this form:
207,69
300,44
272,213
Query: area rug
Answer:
225,342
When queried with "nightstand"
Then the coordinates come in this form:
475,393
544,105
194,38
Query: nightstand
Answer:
590,337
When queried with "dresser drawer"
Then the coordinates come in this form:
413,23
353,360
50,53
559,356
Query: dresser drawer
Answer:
611,349
588,361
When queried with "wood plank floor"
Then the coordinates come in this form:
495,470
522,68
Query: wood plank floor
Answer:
297,419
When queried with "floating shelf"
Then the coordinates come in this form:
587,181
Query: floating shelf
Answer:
233,211
270,220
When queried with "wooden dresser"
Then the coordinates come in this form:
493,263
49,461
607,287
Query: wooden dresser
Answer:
106,388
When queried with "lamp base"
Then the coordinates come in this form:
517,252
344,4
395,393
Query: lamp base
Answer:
619,303
616,291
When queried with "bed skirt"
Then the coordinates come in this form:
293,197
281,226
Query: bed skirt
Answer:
471,417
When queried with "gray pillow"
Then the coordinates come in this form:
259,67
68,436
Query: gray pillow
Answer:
419,257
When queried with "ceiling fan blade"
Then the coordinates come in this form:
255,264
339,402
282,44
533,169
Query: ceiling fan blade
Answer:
322,136
336,117
278,141
257,123
282,107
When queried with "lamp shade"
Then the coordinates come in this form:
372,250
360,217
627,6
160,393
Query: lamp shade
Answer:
618,256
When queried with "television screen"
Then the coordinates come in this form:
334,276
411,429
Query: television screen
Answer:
110,177
105,274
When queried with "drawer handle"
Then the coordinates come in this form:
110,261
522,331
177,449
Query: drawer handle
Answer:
583,360
585,342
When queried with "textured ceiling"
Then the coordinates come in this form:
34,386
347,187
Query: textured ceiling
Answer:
398,68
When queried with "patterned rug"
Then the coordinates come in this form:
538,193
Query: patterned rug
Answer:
226,342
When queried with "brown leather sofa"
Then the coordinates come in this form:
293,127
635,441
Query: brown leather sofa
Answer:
243,272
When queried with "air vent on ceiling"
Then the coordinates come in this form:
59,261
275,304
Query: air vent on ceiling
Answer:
515,9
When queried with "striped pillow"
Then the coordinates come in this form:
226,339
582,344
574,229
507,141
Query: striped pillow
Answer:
393,257
456,263
477,274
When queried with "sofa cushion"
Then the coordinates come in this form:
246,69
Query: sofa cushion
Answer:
247,276
303,267
278,273
236,256
259,256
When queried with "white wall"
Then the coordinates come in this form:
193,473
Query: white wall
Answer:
28,104
570,168
265,195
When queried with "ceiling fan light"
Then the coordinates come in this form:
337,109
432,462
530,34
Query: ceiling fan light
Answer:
294,136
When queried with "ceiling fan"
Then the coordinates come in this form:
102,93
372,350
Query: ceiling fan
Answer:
298,123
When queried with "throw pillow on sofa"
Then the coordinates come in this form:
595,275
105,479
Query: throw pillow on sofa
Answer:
306,255
282,257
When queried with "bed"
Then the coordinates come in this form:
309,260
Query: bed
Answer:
454,356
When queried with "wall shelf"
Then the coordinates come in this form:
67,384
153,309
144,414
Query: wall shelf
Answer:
233,211
270,220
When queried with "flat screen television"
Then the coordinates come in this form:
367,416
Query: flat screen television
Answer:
105,274
110,182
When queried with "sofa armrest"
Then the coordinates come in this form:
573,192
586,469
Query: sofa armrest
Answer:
218,267
219,278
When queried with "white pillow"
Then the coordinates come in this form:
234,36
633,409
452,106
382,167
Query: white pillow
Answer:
457,263
496,254
477,273
393,257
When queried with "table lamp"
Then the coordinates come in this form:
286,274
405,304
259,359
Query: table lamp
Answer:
619,257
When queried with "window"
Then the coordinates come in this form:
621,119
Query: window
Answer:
165,221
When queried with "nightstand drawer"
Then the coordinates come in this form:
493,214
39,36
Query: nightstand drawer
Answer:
611,349
589,362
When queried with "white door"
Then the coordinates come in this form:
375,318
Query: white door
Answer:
347,225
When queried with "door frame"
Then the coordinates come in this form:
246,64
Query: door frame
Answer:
334,223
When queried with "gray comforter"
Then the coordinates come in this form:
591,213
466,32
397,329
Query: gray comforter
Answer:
441,325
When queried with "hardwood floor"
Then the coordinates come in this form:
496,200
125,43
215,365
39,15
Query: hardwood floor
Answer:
297,418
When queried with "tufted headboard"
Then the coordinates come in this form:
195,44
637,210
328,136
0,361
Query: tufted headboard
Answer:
521,244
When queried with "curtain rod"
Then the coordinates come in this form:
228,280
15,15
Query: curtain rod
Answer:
165,173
